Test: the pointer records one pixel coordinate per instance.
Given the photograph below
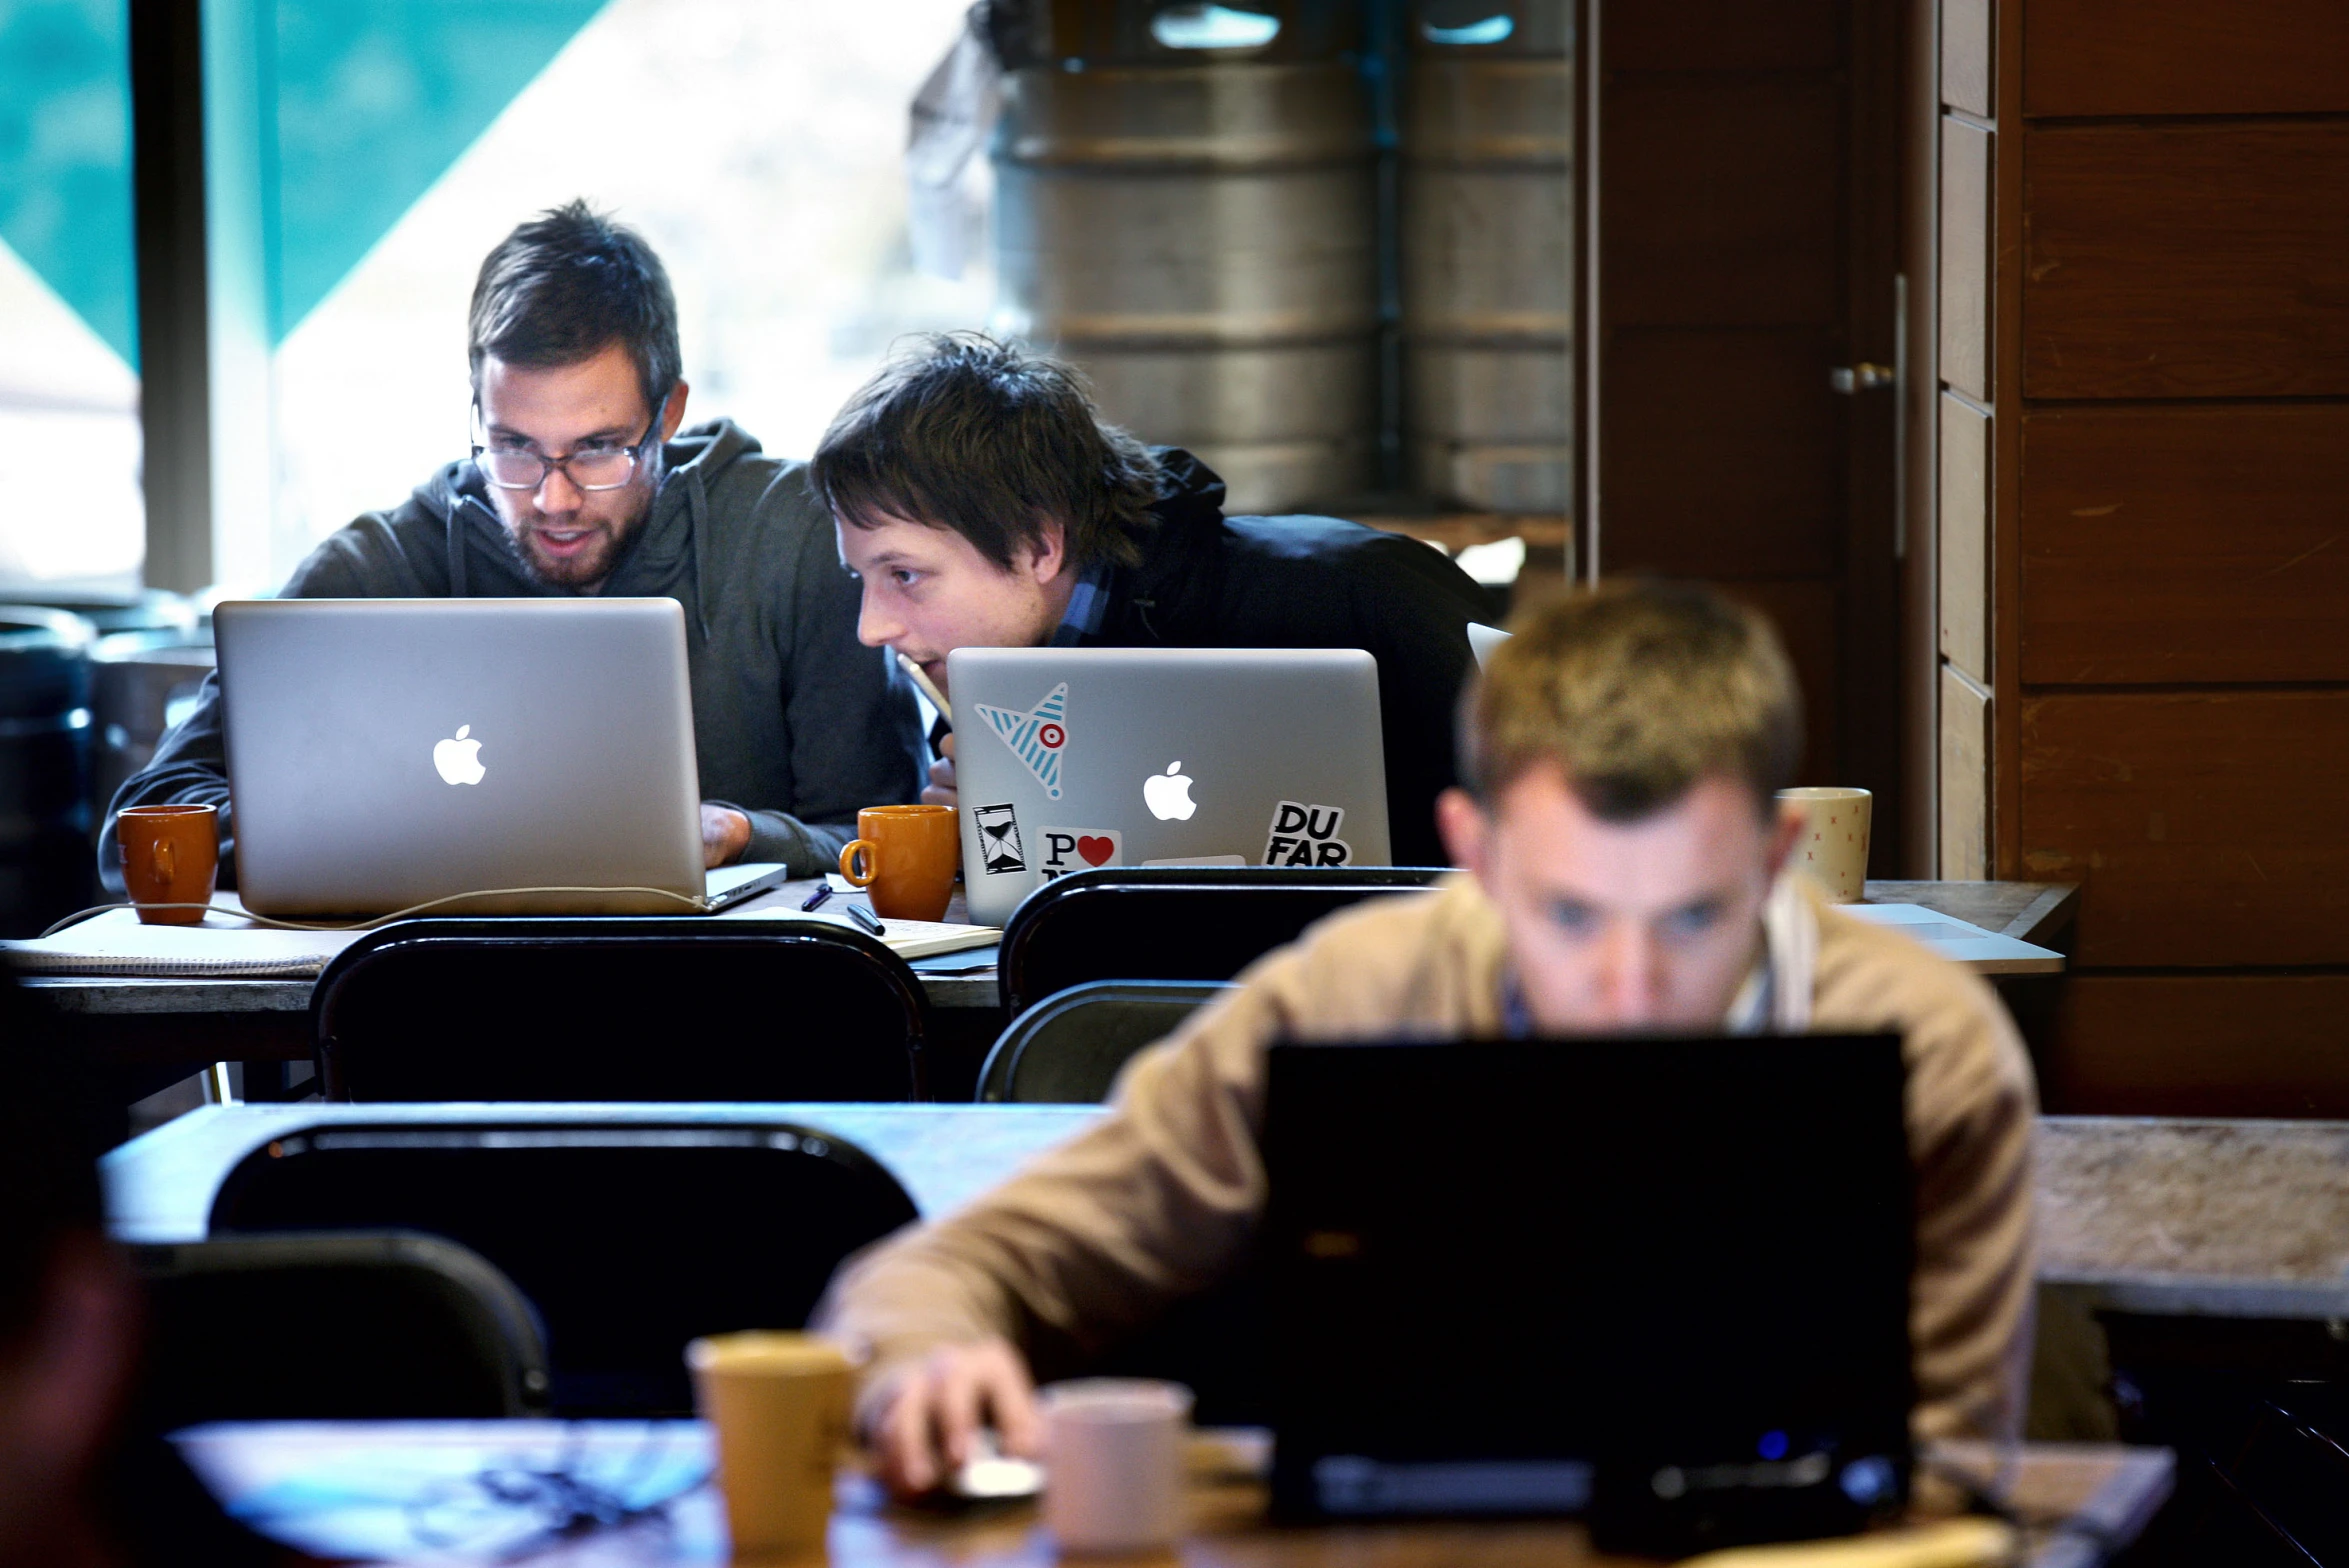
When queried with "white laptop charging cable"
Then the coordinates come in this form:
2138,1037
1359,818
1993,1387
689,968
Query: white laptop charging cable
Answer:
691,902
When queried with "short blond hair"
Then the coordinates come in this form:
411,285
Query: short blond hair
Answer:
1638,689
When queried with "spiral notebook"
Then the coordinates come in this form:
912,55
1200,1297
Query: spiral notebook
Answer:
226,946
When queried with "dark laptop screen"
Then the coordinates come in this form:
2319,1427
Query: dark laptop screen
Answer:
1684,1258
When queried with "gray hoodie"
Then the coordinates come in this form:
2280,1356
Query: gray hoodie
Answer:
794,723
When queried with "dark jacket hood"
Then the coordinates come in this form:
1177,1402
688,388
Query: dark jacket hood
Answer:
1180,580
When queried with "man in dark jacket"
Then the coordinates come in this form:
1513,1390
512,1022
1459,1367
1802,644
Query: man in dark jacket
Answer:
983,503
581,483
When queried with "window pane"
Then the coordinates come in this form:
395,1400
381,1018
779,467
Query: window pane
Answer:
759,147
70,507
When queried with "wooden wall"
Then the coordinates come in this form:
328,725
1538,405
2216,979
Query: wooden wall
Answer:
2144,526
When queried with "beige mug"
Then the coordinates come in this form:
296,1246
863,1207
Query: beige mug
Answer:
779,1406
1832,848
906,858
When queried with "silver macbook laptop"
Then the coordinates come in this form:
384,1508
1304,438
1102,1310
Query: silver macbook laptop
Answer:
387,752
1068,759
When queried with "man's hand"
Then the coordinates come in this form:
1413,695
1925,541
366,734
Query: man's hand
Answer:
929,1425
941,790
725,834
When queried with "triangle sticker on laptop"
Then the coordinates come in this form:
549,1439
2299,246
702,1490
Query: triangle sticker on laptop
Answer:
1036,737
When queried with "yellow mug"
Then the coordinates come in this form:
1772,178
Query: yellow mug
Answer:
906,857
778,1405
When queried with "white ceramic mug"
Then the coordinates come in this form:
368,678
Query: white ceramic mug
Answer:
1113,1464
1833,845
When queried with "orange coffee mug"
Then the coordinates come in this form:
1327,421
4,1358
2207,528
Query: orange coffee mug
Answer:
908,857
170,855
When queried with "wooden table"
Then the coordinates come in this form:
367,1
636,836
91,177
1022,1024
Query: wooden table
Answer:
160,1185
2036,912
189,1024
2201,1217
2136,1205
410,1490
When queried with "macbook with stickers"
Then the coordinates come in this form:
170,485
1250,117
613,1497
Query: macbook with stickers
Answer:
534,754
1068,759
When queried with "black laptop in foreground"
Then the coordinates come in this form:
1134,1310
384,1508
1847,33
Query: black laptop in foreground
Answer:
1664,1281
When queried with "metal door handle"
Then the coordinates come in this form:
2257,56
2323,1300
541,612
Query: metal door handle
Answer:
1848,379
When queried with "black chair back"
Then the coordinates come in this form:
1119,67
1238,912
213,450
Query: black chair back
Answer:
629,1238
1174,923
381,1326
2256,1408
1068,1048
679,1009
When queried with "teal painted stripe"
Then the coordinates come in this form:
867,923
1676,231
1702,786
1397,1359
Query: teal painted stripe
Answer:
65,157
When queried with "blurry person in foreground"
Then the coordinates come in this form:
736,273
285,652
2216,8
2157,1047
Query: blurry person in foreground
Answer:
83,1484
1624,859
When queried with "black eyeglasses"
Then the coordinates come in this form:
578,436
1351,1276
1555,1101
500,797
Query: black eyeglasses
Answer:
594,465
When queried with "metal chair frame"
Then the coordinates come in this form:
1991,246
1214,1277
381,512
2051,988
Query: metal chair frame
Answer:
502,1317
999,1078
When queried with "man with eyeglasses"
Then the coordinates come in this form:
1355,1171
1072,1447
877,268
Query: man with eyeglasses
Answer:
581,483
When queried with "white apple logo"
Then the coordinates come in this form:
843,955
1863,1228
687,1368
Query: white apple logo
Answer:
459,759
1168,794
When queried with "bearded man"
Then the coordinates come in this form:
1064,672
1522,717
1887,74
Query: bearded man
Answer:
582,482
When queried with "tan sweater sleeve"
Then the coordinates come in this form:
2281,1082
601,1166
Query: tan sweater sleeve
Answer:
1160,1199
1971,1114
1096,1236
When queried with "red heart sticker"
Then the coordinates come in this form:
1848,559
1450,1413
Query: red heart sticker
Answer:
1096,850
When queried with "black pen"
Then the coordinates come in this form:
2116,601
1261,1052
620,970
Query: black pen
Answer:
864,917
822,892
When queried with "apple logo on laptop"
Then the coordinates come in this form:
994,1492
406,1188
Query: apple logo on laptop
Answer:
459,759
1168,794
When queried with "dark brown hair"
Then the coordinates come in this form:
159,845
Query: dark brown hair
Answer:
993,442
566,284
1637,689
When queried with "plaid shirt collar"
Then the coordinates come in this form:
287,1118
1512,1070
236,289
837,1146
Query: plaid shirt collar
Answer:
1088,607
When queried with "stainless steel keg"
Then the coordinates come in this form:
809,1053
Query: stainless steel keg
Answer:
46,868
1488,272
141,683
1200,239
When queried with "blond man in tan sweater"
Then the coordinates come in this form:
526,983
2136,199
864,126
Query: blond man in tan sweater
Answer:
1622,851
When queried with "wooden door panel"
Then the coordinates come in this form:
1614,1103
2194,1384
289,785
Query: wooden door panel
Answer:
1965,777
1746,182
1725,35
1730,212
1965,537
2172,545
1809,621
2186,261
1723,454
1966,230
2206,827
2103,57
1966,54
2199,1045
